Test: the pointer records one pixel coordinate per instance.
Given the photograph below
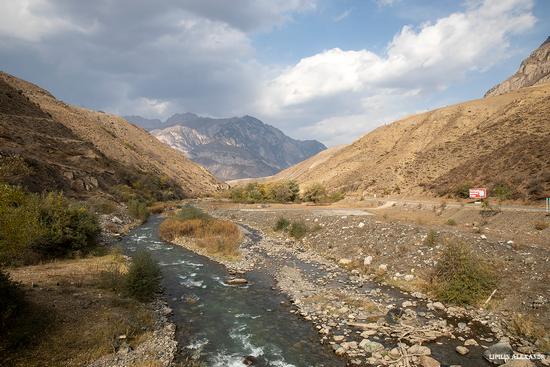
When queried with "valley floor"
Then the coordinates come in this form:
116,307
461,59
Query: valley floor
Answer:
333,274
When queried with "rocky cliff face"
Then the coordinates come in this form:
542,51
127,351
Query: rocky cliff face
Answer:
533,70
236,147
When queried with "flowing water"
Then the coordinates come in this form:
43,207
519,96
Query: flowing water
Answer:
223,324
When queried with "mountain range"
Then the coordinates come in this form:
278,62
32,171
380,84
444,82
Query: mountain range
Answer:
230,148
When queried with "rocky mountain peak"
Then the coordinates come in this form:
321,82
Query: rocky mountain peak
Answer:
534,70
233,147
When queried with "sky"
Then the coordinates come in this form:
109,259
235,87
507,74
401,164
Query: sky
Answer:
330,70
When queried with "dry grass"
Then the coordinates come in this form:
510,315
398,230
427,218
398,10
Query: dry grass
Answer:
216,236
530,328
71,321
541,225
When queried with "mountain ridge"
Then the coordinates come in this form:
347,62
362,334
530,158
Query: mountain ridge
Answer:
82,151
234,147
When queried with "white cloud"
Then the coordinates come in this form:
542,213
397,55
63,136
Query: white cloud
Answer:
426,59
382,3
32,20
342,16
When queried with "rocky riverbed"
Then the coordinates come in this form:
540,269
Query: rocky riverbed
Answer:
356,312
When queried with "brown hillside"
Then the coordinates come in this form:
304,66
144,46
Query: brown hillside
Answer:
82,151
501,139
293,172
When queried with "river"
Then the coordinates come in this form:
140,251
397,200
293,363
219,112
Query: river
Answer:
220,324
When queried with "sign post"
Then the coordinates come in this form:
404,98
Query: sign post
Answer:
478,193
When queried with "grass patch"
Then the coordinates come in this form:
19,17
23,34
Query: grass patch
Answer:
461,276
295,228
432,238
191,212
69,320
215,236
451,222
298,229
282,224
530,328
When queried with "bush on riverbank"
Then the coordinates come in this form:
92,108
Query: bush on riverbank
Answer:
138,210
276,192
282,192
216,236
142,282
461,276
281,224
37,227
296,228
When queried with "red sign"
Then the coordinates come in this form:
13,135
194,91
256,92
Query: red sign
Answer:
478,193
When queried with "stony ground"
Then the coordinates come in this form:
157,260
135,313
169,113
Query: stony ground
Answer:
361,279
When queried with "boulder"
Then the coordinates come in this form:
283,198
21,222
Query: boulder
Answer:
344,262
338,338
250,360
367,261
236,281
462,350
370,346
498,353
419,350
426,361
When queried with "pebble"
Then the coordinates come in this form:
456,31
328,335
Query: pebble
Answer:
462,350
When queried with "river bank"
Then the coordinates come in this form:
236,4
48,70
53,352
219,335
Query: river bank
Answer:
359,318
222,325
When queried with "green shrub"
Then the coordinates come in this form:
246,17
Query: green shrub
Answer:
281,224
13,168
147,188
298,229
20,225
102,205
451,222
335,196
143,278
70,228
138,210
254,192
462,191
315,193
35,227
283,191
461,277
11,300
502,192
431,238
